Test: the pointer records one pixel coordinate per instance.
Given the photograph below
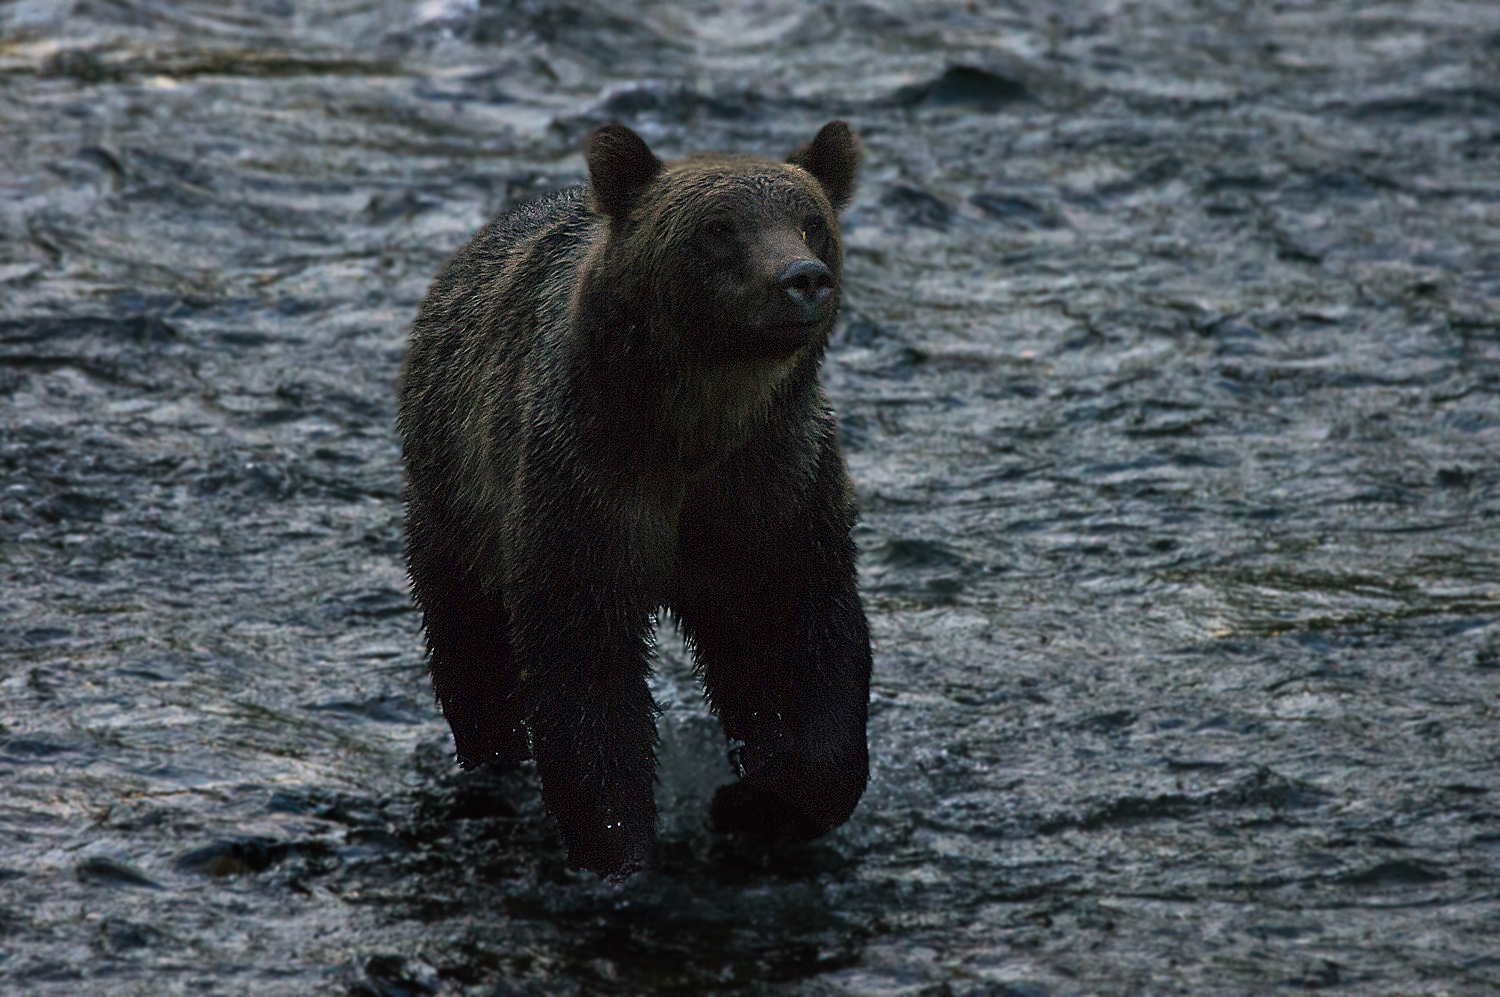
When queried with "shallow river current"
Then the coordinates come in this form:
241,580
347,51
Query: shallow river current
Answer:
1169,372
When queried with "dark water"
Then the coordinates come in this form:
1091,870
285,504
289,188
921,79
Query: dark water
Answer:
1171,383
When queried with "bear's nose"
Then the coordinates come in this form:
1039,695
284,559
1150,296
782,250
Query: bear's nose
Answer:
810,284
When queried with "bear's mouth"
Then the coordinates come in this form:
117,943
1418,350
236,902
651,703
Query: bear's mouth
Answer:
791,328
768,342
782,339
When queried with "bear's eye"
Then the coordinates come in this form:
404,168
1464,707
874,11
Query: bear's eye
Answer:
716,238
813,226
718,229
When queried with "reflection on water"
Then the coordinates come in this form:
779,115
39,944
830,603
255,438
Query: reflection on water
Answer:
1168,376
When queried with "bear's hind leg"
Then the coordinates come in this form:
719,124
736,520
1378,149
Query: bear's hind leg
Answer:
473,668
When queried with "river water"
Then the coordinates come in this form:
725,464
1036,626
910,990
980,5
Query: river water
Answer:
1170,381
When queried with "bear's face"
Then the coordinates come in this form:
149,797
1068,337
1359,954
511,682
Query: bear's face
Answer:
748,254
739,257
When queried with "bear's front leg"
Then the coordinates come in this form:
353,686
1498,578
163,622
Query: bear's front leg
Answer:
593,730
770,605
790,678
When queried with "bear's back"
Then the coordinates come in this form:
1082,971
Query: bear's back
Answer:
499,302
494,264
531,218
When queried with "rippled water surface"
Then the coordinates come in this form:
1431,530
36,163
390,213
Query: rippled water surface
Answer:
1170,379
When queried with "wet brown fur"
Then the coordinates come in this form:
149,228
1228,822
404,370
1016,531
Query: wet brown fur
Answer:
605,412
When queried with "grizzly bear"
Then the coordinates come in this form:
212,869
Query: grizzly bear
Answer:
611,408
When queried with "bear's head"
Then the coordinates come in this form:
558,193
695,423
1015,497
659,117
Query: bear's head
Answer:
723,257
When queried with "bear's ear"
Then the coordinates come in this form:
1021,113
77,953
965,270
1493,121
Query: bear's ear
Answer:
620,167
831,157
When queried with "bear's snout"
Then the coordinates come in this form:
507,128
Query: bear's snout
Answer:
809,283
